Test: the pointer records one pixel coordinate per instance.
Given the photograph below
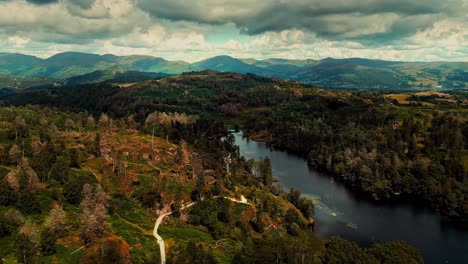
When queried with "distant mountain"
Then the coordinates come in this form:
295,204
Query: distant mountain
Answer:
230,64
276,61
68,59
72,64
352,73
115,76
10,84
16,64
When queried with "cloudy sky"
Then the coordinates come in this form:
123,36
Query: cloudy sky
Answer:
412,30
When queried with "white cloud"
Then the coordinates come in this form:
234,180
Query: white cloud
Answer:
18,42
295,29
232,45
444,33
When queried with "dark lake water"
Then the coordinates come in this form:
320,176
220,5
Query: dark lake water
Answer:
339,212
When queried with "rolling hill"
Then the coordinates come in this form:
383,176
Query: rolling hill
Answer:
115,76
352,73
9,84
230,64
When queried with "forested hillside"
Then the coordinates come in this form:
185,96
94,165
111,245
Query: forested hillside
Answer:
84,188
403,147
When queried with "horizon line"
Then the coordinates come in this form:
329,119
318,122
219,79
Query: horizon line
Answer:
226,55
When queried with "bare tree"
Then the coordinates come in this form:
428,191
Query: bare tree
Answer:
103,122
27,246
69,124
24,170
151,120
14,154
90,123
94,212
19,124
56,219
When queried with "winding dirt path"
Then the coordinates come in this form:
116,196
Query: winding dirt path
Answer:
162,248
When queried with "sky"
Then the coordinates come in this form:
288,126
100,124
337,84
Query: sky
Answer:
403,30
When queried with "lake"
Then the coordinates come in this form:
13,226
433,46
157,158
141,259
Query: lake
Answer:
339,212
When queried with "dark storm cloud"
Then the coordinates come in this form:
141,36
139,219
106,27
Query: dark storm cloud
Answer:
42,2
336,19
85,4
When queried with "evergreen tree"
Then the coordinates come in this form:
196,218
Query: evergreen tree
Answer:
27,250
97,145
74,158
8,195
266,172
60,170
48,240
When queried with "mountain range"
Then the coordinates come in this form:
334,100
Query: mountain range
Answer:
19,71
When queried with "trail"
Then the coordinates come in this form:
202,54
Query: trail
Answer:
162,248
159,238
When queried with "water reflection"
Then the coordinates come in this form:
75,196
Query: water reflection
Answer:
341,212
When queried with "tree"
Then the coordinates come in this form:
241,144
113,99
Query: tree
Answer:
244,256
43,161
395,252
14,154
55,220
26,250
4,228
74,158
458,141
21,129
73,188
48,240
293,196
112,250
90,123
93,212
152,120
195,254
97,145
198,192
265,171
27,173
176,207
118,164
293,221
8,195
60,170
306,207
339,250
231,109
413,145
69,124
103,121
28,202
27,247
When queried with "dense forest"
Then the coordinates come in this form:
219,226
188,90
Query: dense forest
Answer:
88,168
401,147
387,152
84,188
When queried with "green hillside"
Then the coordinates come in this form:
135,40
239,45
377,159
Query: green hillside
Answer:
295,116
353,73
78,187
